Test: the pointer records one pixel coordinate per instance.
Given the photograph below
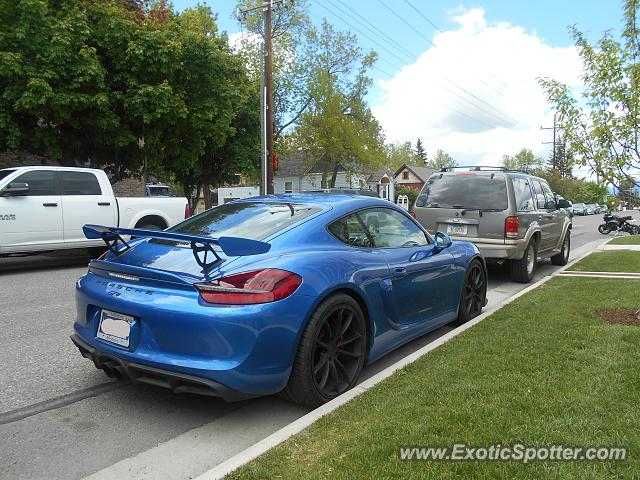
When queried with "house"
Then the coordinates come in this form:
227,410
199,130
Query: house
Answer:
412,176
295,174
381,182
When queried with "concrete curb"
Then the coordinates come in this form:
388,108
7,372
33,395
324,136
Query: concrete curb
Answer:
621,247
254,451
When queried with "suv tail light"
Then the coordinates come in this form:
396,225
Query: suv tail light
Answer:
412,213
511,227
248,288
187,212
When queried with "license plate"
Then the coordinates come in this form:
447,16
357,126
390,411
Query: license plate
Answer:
457,229
115,327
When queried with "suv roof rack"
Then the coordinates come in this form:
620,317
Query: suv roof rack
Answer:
482,168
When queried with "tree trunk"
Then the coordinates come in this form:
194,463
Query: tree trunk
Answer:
334,175
207,197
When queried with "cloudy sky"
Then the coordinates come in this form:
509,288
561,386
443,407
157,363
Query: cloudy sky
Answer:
462,76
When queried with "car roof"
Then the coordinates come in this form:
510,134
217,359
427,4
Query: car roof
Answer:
320,198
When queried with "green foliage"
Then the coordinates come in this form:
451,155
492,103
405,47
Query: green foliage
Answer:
412,193
113,80
523,160
441,160
600,124
574,189
421,153
338,128
399,154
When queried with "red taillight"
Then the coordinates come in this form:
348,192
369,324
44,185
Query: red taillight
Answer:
187,212
511,227
413,214
259,286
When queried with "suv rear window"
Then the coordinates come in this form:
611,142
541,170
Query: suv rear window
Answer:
254,220
464,190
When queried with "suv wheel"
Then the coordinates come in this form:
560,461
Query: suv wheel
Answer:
522,270
562,258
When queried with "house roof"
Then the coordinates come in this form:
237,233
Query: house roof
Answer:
375,177
423,173
296,164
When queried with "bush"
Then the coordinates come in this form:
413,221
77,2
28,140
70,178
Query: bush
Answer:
412,193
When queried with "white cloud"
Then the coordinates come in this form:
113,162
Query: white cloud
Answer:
497,64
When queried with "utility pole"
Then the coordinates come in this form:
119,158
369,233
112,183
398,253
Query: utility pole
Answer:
554,158
266,115
268,75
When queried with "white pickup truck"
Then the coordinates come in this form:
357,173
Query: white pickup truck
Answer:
44,208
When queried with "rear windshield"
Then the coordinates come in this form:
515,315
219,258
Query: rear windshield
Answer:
464,190
253,220
579,205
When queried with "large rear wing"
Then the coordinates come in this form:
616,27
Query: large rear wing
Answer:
231,246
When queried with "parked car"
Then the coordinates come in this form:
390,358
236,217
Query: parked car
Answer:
603,209
44,208
510,216
579,209
299,292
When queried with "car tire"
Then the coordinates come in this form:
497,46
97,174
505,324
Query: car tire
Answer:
322,370
473,294
562,258
522,270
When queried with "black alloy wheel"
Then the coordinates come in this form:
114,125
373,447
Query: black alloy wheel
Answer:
338,352
331,353
474,293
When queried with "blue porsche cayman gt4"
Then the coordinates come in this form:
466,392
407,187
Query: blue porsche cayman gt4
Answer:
289,293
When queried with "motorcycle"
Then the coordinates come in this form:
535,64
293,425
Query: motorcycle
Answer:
614,223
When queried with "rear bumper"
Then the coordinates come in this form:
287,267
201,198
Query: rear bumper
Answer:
116,367
498,249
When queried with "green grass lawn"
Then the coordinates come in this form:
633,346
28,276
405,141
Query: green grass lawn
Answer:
542,370
626,240
612,261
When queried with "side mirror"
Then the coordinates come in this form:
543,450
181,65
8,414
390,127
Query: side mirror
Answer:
442,240
15,189
562,203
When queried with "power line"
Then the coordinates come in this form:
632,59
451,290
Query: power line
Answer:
490,114
423,16
406,23
497,116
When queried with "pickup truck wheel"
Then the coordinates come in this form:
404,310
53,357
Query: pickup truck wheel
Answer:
562,258
522,270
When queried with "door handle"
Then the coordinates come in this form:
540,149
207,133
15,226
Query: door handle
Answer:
104,204
399,272
49,204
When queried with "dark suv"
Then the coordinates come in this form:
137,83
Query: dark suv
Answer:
510,215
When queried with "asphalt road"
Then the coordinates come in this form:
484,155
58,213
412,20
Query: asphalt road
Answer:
61,418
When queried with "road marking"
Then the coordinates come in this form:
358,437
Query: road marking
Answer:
61,401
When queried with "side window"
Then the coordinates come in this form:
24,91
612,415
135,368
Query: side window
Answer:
80,183
550,200
391,229
40,182
522,192
351,231
541,201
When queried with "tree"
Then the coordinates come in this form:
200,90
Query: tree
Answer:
338,127
441,160
292,37
600,123
399,154
411,193
421,152
561,162
523,160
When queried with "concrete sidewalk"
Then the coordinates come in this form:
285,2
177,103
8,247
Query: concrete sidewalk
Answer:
621,247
